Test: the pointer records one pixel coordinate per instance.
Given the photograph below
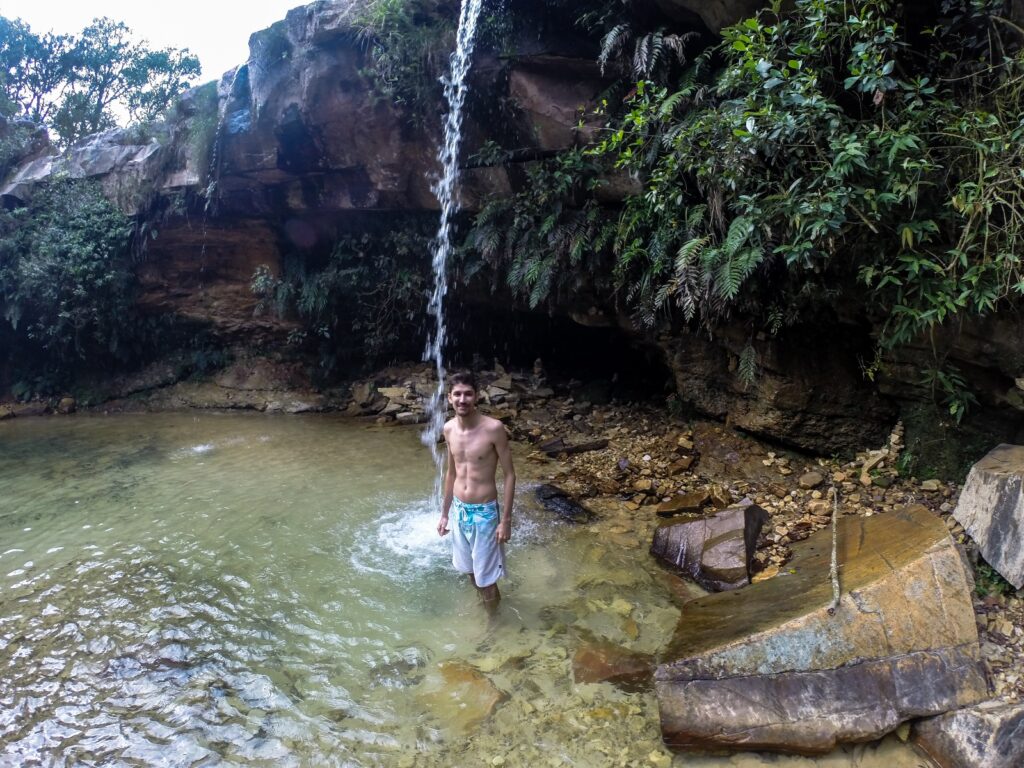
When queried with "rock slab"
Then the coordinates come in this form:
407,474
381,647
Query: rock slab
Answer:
990,735
767,668
715,551
991,510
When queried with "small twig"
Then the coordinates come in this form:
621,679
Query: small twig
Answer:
835,552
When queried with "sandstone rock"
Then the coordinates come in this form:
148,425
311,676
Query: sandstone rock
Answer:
991,510
819,507
392,409
810,480
6,412
681,465
66,405
34,408
715,551
598,661
364,393
459,696
562,504
409,417
990,735
401,394
684,504
931,486
768,668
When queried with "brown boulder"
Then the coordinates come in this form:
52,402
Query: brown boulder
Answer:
768,668
684,504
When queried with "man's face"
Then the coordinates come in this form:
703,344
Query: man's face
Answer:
463,399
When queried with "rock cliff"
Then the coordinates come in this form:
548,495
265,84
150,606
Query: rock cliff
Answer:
295,148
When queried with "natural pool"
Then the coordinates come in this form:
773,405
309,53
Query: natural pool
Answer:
192,590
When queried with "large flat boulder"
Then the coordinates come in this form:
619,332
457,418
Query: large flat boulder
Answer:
991,510
768,668
715,551
990,735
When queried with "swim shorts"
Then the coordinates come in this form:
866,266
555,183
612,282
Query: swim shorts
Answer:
475,547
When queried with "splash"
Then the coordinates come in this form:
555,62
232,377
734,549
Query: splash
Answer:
445,189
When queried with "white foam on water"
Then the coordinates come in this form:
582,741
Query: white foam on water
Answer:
406,543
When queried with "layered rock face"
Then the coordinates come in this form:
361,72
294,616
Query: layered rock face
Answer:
294,149
767,667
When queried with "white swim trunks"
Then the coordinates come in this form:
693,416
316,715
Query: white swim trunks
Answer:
475,547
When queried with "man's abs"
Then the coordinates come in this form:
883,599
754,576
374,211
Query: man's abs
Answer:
475,492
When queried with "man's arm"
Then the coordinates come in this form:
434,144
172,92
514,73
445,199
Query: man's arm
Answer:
508,471
449,491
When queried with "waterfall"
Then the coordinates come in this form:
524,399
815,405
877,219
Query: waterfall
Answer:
445,189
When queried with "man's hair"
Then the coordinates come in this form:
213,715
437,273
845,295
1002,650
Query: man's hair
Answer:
466,378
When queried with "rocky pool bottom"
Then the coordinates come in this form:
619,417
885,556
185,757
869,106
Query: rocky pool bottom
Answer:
201,589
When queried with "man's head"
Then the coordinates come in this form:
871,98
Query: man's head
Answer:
462,393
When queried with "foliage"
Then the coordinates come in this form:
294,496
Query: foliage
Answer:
988,581
66,286
372,286
828,148
78,84
407,43
550,237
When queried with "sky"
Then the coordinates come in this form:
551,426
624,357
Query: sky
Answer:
217,31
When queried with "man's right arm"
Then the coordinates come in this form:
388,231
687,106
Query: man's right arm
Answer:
449,492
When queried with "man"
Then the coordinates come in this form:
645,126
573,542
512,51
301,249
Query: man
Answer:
476,444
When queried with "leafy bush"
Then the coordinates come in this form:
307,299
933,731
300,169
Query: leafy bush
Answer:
66,285
408,43
550,238
828,149
372,287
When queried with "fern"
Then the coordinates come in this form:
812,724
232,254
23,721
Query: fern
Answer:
747,368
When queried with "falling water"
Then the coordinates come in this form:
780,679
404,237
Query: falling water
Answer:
445,189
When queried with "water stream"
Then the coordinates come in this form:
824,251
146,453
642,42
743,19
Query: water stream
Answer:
446,191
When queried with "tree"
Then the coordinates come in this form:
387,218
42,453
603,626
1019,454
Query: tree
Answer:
84,83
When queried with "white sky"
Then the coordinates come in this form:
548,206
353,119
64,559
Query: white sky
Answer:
217,31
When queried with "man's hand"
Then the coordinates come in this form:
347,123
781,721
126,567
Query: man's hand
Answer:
442,526
504,532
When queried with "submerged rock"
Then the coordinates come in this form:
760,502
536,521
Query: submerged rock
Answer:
715,551
598,661
562,504
459,696
990,735
991,510
767,667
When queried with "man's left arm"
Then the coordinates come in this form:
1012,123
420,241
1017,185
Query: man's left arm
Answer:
501,445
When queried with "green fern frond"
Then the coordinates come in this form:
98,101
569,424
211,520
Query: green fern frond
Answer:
612,43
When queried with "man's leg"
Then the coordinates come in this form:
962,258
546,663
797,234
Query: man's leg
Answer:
491,597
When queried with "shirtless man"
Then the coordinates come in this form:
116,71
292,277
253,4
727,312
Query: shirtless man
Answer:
476,444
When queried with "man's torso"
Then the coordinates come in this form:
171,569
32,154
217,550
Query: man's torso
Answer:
476,461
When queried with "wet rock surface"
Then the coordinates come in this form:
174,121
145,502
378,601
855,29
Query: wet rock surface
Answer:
598,661
715,551
990,735
558,501
768,668
991,510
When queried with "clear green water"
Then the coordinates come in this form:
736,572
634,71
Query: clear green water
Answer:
202,590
